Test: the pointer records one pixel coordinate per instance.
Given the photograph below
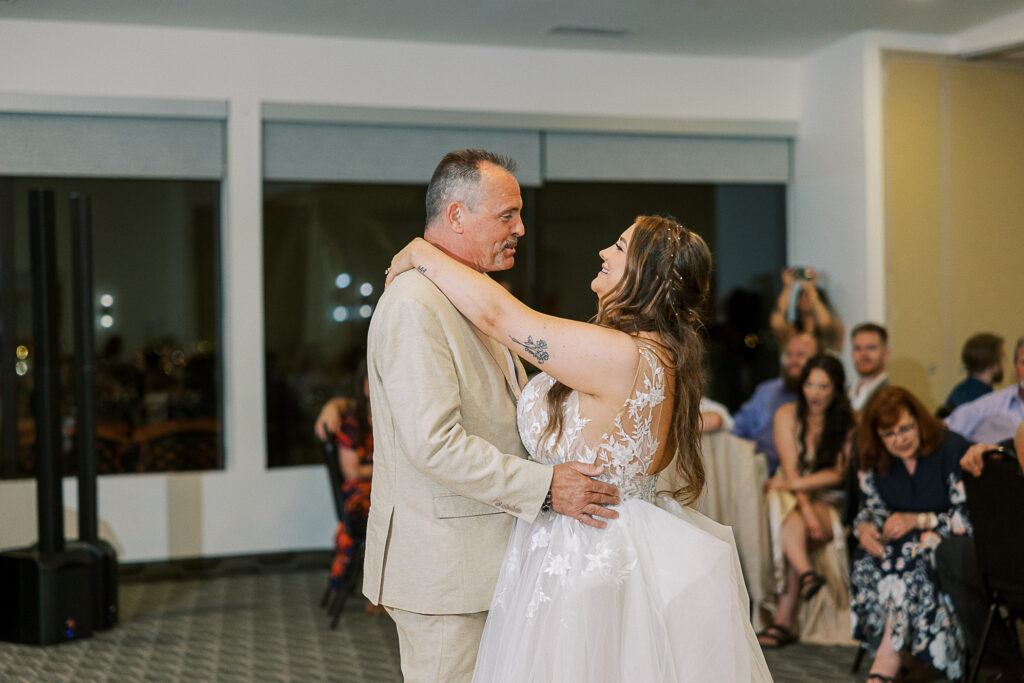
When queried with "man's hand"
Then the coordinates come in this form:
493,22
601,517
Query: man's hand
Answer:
574,494
710,422
974,458
870,539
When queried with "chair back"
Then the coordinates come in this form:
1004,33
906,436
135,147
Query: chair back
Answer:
336,479
995,501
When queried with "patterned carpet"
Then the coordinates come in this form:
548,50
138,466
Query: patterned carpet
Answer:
268,626
262,627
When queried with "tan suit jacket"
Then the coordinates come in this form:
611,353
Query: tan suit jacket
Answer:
448,462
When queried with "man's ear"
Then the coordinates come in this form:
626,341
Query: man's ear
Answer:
453,214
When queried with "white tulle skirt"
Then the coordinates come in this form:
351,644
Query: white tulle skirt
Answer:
656,596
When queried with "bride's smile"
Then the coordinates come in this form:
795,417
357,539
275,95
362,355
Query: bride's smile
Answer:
613,264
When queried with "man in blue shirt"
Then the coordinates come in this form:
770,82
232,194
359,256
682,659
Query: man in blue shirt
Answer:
993,417
756,418
982,356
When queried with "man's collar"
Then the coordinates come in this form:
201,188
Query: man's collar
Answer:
871,381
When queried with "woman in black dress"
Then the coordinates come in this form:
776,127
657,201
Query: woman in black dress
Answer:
912,496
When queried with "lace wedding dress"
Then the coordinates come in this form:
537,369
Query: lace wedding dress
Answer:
655,596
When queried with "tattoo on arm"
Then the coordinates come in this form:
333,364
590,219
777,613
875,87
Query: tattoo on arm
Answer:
538,349
422,269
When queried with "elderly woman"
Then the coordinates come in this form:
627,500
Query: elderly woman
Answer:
912,497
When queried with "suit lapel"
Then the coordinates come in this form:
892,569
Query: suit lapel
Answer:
497,353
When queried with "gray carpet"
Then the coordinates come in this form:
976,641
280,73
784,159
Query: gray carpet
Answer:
261,627
269,627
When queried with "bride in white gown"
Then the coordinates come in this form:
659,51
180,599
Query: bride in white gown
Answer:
655,595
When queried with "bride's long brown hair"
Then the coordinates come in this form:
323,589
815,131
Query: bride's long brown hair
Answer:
662,291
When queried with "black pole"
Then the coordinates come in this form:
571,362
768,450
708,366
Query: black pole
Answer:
85,392
49,497
8,336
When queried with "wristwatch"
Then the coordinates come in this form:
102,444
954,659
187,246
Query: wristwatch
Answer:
926,520
546,505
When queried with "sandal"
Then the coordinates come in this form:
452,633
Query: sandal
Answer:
810,584
776,636
881,678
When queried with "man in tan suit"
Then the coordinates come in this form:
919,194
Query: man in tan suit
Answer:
450,472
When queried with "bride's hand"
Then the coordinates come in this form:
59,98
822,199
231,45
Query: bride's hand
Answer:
403,261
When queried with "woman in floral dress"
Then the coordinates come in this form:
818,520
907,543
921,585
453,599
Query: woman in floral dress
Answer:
912,497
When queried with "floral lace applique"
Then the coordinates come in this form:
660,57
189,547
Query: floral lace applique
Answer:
628,447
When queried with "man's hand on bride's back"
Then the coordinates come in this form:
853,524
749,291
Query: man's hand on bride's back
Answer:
575,494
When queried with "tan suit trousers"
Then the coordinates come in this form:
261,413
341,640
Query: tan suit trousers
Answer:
438,648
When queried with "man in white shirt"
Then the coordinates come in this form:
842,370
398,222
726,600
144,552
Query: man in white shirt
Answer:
870,354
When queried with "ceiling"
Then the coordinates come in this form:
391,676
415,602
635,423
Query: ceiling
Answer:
750,28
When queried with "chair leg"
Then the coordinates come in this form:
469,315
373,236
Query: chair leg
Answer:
327,595
858,659
981,646
337,607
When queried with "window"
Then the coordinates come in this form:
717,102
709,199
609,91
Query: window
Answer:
325,249
156,258
326,246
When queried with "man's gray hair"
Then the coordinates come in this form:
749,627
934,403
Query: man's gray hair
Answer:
457,178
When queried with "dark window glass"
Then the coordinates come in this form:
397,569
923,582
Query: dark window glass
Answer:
323,242
325,248
744,227
156,256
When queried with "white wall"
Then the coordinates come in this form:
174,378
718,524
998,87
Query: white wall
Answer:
246,508
836,197
835,202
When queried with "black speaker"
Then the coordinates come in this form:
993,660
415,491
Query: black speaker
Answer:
48,592
45,597
104,586
103,592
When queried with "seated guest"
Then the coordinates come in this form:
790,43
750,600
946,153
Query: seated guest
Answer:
912,497
870,354
982,356
993,417
802,307
813,439
957,568
713,416
349,422
756,417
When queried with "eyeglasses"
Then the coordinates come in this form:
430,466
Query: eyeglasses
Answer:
890,434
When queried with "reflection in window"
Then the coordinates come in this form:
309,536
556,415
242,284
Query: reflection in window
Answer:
744,226
326,247
157,331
